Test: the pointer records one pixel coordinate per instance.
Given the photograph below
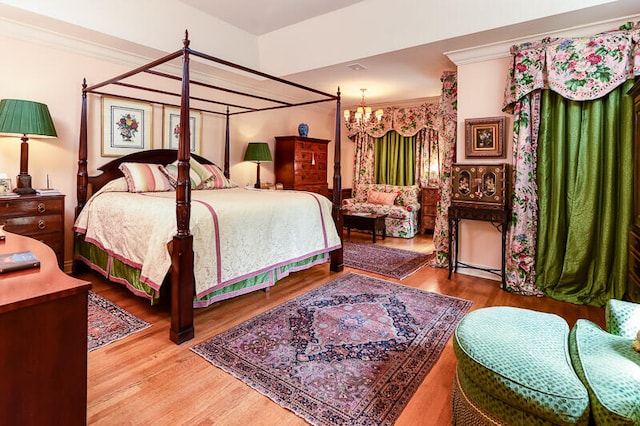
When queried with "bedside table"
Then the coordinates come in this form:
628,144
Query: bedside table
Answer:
40,217
429,200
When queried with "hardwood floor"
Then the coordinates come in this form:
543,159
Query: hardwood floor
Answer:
146,379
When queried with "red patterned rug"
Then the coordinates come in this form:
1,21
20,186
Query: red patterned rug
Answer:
387,261
108,322
352,351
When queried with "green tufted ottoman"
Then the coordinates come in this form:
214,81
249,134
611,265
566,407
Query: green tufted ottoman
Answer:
514,368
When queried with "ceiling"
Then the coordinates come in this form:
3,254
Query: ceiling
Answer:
316,42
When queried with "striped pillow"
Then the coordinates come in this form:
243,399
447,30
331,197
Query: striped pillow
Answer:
142,177
219,180
198,174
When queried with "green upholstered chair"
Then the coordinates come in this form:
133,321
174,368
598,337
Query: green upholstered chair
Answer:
607,364
514,368
522,367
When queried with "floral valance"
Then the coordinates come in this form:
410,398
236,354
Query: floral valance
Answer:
406,121
577,68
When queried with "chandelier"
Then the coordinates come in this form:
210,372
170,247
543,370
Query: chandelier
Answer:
363,113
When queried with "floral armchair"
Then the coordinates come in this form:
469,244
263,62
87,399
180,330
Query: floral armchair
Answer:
401,204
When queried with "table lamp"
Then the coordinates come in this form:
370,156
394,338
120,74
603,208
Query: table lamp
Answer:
257,152
22,118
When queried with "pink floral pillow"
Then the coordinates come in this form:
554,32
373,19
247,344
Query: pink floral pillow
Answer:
376,197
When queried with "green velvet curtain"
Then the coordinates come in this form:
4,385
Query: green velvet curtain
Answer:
395,159
585,188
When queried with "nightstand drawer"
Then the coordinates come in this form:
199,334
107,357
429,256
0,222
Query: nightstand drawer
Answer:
28,225
31,207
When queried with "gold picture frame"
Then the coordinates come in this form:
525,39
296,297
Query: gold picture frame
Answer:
126,126
485,137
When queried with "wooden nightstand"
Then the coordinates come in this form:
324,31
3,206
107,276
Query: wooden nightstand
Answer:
429,200
40,217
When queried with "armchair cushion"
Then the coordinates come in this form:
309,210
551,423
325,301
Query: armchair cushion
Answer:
610,369
623,318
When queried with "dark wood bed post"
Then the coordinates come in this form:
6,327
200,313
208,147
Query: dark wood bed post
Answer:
82,182
182,276
337,263
227,173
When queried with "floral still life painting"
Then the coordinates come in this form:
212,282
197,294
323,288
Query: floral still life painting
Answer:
126,127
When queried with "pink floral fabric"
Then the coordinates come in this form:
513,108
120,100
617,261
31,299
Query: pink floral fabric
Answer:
402,216
447,134
578,69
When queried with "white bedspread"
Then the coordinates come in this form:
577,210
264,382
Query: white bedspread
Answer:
237,232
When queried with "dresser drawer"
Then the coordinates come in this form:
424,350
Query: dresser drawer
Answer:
318,189
31,207
28,225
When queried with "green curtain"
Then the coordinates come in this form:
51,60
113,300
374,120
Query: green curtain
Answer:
395,159
585,188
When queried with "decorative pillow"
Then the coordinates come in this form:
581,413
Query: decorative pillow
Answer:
376,197
219,180
142,177
198,173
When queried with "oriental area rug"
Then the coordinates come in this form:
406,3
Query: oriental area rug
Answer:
108,322
352,351
387,261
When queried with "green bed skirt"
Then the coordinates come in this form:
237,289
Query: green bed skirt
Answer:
117,271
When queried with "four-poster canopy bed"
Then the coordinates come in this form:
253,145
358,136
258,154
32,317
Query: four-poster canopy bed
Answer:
180,248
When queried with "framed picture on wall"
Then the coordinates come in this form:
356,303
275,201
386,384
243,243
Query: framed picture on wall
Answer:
485,137
5,186
171,129
126,126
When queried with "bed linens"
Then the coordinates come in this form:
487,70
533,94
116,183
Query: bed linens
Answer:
238,232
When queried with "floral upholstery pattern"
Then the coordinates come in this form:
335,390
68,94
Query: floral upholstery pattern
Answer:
402,216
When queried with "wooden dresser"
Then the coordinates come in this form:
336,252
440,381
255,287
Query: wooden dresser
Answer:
37,216
633,290
428,202
43,348
301,163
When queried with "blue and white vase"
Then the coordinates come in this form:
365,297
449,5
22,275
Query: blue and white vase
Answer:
303,129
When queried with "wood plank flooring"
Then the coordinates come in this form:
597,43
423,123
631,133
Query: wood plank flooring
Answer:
145,379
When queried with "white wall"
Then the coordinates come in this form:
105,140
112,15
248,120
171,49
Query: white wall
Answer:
480,90
54,77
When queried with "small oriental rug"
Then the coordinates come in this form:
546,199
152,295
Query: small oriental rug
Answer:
352,351
108,322
387,261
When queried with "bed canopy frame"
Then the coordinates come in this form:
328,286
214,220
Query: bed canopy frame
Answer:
182,256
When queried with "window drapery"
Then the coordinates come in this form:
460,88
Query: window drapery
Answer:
580,69
395,159
436,141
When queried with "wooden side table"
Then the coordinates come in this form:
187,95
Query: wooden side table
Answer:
370,222
498,218
37,216
43,349
428,204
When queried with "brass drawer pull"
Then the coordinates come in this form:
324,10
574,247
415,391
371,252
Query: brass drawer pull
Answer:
41,224
42,208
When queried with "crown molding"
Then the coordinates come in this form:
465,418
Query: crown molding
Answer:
502,49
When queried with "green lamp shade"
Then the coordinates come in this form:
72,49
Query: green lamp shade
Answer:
257,151
18,117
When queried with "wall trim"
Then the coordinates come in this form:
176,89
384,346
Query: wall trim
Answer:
500,50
